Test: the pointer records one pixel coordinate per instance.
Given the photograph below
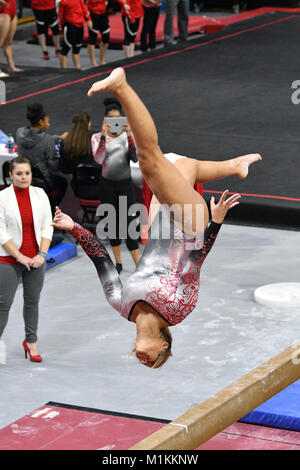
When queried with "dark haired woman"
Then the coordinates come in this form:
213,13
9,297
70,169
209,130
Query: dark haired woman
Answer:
75,149
114,151
40,148
25,236
164,289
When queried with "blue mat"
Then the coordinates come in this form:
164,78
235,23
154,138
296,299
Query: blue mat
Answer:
3,137
281,411
60,253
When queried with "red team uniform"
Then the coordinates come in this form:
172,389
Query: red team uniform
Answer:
72,16
9,9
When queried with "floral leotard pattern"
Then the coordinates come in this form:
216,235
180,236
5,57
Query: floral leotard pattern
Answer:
167,276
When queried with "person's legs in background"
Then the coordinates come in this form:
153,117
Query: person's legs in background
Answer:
170,8
7,46
76,45
9,281
145,29
183,19
33,281
66,46
4,29
152,30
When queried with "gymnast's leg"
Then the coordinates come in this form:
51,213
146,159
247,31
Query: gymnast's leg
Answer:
156,169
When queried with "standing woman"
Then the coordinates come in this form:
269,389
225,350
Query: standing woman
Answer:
25,237
151,15
99,16
46,17
114,151
8,25
132,11
72,16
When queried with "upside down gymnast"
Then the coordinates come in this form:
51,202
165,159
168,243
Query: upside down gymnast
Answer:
164,288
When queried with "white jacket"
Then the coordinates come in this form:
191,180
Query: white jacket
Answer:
10,217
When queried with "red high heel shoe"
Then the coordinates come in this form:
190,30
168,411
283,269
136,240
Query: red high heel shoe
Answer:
36,358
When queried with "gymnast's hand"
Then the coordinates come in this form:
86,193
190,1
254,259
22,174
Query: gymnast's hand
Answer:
62,221
219,211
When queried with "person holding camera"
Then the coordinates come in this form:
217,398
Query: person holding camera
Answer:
114,150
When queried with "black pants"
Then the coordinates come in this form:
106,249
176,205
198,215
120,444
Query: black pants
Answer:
100,23
45,19
72,39
130,30
151,16
113,191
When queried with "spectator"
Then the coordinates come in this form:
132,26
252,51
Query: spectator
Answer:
25,236
114,151
8,25
75,147
46,17
72,15
132,12
182,8
151,15
99,16
40,149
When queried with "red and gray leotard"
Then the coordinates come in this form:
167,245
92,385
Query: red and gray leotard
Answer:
167,276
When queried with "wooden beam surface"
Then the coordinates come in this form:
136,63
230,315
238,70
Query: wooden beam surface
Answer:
212,416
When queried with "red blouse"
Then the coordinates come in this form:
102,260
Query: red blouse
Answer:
29,245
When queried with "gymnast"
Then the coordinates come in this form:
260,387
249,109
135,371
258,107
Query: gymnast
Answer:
163,290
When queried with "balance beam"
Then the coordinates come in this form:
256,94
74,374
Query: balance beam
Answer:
204,421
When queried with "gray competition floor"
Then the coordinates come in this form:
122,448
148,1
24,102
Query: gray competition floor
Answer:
85,343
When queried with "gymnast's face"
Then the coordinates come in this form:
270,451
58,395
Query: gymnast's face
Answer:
148,349
21,175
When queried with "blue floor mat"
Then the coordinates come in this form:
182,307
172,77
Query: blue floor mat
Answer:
60,253
281,411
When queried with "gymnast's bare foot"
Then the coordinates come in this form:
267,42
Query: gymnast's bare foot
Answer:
110,84
15,69
242,164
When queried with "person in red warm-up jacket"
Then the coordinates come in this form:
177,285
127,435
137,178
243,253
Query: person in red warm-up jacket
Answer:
131,11
46,17
99,17
72,16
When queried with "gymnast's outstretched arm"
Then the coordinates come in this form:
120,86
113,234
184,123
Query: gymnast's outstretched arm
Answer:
97,252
